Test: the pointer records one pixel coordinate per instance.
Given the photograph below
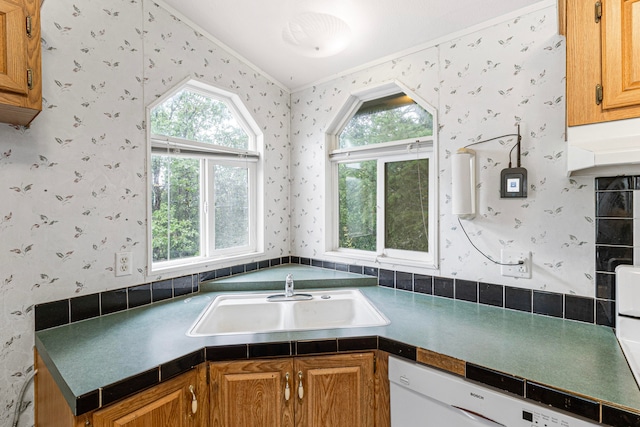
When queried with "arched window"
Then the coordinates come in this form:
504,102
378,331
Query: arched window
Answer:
383,170
203,173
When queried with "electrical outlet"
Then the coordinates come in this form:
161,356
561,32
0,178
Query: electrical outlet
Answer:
123,263
521,264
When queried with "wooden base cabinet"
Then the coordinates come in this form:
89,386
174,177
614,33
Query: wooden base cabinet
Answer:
347,389
328,391
169,404
252,393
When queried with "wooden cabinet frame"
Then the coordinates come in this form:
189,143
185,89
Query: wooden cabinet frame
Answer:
329,380
337,390
20,61
598,53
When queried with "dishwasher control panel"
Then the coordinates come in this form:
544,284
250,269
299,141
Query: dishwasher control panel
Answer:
539,418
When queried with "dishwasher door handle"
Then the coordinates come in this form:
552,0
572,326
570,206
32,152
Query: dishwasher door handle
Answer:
474,415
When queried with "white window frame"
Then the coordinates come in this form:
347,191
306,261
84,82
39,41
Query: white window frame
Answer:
411,149
211,155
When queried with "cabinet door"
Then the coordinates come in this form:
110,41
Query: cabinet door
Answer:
13,49
337,391
20,56
605,53
252,393
166,405
621,53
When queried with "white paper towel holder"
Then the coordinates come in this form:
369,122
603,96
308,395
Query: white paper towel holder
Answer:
463,183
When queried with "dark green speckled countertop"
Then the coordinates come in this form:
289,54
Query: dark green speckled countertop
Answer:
581,358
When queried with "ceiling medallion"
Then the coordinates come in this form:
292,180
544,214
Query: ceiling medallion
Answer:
317,34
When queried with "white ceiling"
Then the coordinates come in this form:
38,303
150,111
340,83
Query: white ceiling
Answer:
380,29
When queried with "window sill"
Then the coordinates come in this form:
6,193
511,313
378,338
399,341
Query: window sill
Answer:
200,265
384,262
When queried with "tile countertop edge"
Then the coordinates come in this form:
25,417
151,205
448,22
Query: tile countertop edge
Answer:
387,341
555,397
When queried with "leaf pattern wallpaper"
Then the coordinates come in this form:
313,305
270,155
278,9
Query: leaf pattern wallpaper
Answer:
483,85
73,185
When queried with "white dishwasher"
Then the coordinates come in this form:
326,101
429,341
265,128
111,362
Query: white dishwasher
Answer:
427,397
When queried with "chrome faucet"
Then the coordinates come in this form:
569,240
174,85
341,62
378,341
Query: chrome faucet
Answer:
288,286
289,293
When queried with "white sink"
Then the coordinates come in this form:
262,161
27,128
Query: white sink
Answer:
253,313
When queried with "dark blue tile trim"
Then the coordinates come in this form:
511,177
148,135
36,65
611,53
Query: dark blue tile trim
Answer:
423,284
357,344
544,303
316,347
561,400
579,308
397,348
387,278
87,402
548,303
537,392
619,417
404,281
443,287
85,307
113,301
466,290
495,379
276,349
491,294
129,386
51,314
227,352
181,365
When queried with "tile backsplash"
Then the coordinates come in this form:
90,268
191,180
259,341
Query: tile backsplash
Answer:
615,213
614,216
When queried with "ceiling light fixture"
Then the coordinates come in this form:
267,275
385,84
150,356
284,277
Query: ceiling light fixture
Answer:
317,34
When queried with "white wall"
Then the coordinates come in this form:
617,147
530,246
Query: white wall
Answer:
482,84
73,185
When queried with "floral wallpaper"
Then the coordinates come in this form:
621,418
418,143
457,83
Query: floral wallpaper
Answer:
483,85
73,185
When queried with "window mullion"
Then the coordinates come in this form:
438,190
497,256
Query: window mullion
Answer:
207,186
380,208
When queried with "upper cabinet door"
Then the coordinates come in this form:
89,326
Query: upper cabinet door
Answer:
13,49
621,53
603,60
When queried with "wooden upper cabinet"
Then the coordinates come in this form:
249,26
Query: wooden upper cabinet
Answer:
13,50
621,53
603,56
20,61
